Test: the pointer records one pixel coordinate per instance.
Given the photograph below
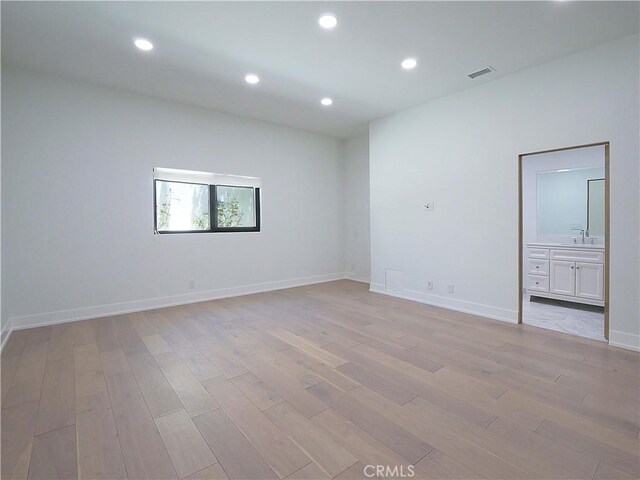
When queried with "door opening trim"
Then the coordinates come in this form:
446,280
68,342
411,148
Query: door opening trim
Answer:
607,192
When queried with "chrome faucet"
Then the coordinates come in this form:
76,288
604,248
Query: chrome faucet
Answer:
582,234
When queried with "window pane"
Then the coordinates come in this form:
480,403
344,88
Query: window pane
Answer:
235,207
182,206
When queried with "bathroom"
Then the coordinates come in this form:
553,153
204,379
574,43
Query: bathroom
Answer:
564,220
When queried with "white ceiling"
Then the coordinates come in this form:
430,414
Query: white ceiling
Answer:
204,49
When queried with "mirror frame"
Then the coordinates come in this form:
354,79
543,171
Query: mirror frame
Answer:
589,198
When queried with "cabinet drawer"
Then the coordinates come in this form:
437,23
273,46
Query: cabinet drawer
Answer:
542,253
538,267
537,283
595,256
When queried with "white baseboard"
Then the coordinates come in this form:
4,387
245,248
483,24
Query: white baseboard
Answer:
488,311
624,340
356,278
616,338
64,316
4,335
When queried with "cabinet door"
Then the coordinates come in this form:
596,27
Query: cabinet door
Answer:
590,280
563,277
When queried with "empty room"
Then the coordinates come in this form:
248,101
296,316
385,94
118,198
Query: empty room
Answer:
320,240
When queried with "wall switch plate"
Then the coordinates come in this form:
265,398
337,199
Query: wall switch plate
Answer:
429,284
450,288
429,207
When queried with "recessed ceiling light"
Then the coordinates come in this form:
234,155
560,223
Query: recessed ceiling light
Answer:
409,63
328,21
143,44
563,170
252,78
326,101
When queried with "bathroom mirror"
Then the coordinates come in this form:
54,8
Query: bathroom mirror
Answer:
570,200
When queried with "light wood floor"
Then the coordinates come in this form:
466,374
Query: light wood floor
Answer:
314,383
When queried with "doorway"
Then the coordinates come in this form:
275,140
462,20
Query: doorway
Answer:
563,239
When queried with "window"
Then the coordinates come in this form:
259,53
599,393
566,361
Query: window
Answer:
182,207
235,207
199,202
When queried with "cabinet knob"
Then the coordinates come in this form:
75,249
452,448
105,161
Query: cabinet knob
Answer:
577,268
537,266
537,283
571,268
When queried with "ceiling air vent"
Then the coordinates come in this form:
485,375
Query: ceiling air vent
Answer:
481,72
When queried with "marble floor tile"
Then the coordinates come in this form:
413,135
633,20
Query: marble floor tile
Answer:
585,321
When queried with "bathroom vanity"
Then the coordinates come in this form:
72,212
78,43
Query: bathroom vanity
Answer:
571,272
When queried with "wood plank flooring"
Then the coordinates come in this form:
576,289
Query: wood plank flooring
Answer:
315,383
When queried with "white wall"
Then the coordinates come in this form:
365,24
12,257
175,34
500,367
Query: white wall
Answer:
356,226
545,162
461,153
77,210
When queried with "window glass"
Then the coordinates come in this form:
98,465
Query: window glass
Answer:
182,207
235,207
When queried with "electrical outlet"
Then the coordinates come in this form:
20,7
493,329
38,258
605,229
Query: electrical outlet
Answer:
429,207
429,284
450,288
191,284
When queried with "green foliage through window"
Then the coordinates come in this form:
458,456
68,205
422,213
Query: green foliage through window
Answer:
229,214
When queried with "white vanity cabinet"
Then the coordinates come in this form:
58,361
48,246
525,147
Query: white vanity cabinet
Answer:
563,278
563,272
